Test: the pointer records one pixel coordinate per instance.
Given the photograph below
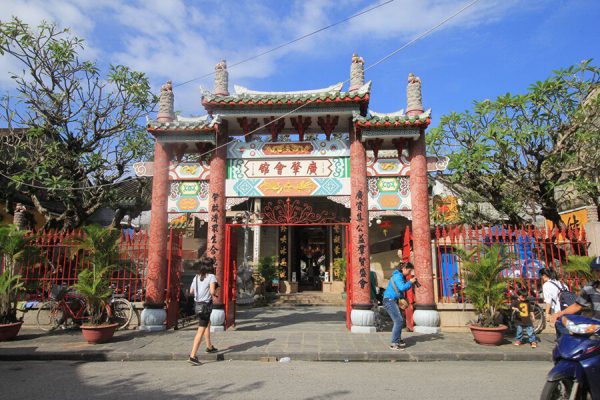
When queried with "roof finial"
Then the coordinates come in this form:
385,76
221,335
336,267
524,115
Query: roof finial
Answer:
357,72
166,111
414,102
221,79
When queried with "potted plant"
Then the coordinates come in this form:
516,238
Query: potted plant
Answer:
268,272
485,288
101,246
580,267
339,275
13,247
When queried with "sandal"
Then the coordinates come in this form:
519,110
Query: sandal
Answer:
211,349
194,361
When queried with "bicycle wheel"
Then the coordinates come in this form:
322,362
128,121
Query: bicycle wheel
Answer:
539,322
49,315
122,312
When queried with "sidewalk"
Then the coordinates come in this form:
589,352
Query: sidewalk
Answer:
303,333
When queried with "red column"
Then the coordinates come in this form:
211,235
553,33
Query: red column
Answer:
156,279
359,224
216,210
419,196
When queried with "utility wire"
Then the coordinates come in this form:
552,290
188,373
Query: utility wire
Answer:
381,60
290,42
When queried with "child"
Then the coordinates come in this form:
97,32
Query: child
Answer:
524,319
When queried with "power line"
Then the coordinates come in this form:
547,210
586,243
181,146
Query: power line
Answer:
290,42
310,101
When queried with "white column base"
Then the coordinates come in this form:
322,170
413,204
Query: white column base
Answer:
427,321
363,321
217,320
153,320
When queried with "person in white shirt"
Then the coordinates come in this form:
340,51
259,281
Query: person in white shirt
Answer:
203,288
551,289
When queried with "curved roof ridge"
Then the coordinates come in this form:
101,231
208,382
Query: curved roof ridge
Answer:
244,91
399,113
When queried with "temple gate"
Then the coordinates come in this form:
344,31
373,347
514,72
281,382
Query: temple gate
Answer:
317,147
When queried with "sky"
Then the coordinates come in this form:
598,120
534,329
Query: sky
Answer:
495,47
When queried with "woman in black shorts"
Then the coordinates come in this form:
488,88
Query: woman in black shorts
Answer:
203,288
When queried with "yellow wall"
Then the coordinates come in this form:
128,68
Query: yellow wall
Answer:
572,218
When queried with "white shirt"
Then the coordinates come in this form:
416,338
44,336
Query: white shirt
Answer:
551,291
201,289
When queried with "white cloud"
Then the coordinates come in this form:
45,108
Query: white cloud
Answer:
180,40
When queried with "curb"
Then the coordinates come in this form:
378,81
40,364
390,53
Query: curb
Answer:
387,356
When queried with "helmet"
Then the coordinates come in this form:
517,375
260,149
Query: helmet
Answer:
595,265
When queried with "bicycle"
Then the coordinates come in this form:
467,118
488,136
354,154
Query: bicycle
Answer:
121,311
63,308
539,322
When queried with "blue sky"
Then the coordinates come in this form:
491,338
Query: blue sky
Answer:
497,46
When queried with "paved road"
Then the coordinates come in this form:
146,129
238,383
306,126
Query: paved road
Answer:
271,380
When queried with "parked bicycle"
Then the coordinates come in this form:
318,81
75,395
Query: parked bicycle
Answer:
66,309
539,322
121,311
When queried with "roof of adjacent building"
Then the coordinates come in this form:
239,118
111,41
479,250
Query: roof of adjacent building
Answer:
247,97
193,124
392,120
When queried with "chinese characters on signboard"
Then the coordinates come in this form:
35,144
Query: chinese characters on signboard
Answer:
282,256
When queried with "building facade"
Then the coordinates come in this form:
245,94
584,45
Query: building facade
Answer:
313,175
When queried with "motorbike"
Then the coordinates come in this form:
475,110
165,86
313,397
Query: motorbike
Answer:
576,356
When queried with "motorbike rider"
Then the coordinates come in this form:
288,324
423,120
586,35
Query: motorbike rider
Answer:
589,297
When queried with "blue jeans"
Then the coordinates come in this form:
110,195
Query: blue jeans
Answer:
394,312
530,332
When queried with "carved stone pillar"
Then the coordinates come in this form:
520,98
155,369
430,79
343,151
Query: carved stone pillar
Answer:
357,72
363,319
154,314
426,317
215,246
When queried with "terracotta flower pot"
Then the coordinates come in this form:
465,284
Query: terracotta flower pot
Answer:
488,336
9,331
95,334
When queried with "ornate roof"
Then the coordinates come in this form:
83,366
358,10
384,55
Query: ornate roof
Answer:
244,96
185,124
391,120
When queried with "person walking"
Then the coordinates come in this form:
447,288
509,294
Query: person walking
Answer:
394,292
551,289
203,288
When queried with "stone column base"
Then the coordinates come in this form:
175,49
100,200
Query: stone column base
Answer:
217,320
363,321
153,319
426,321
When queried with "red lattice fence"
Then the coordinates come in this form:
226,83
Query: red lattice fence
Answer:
528,249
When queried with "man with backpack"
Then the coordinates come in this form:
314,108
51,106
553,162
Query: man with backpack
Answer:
394,293
589,297
557,295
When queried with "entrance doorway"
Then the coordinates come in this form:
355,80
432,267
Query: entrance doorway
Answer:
311,256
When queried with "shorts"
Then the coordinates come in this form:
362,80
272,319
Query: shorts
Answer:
203,322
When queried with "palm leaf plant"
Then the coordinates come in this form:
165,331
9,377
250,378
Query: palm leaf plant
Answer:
485,287
101,246
580,267
14,247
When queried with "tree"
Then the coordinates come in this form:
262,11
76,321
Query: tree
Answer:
73,132
515,151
